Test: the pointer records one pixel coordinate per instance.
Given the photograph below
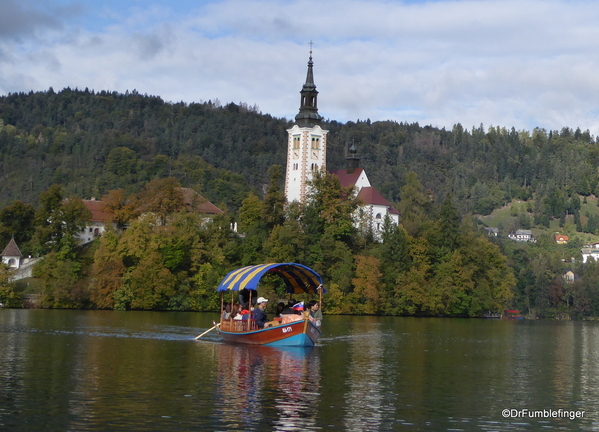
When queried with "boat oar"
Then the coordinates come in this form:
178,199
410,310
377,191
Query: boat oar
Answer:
207,331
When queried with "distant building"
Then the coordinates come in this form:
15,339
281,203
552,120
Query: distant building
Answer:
589,253
373,203
493,232
522,236
11,255
561,239
569,276
194,202
97,224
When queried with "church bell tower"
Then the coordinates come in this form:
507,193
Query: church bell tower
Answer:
306,142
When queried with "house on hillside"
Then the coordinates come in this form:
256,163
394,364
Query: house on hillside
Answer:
589,253
522,236
375,206
492,232
101,219
194,202
561,239
97,224
569,276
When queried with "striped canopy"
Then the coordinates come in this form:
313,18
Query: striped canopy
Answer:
298,278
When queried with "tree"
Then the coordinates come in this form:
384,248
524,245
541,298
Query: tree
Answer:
274,201
162,197
414,206
107,272
121,208
17,221
334,205
366,297
58,221
8,296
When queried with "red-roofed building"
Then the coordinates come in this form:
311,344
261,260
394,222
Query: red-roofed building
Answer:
97,223
374,204
196,202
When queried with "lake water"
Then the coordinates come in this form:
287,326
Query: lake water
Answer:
143,371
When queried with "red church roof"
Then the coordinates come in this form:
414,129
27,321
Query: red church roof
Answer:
369,195
346,179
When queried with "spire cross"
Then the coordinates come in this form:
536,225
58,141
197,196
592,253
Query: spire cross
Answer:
311,43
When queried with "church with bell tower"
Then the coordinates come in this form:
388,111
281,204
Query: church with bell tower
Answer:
306,142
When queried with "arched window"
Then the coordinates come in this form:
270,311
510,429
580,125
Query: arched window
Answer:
378,216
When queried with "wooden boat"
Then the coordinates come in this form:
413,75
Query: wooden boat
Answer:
291,330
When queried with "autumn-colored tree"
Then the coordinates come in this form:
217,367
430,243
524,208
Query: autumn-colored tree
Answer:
162,197
107,272
367,297
121,208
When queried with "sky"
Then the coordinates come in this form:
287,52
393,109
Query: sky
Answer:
508,63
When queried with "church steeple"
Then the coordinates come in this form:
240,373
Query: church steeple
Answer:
308,113
352,161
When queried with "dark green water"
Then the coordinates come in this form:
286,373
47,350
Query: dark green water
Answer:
143,371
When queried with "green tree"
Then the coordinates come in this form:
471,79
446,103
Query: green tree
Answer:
58,221
414,206
334,205
17,221
274,201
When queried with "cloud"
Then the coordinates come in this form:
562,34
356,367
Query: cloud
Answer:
20,18
521,63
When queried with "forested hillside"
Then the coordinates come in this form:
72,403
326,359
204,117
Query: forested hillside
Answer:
95,142
439,262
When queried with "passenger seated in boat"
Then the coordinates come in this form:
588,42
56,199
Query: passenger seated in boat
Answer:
227,311
315,312
258,313
242,315
289,308
280,309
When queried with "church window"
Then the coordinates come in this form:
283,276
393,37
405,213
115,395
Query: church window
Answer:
315,142
296,141
378,216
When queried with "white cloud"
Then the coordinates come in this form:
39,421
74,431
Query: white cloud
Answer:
521,63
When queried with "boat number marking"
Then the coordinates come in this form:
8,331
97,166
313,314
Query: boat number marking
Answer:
287,329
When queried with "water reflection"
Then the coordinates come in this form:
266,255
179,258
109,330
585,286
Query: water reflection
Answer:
90,370
258,386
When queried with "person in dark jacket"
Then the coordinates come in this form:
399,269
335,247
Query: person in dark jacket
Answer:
258,313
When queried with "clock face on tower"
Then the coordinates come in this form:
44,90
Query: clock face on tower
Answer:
314,154
295,154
